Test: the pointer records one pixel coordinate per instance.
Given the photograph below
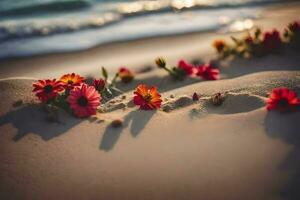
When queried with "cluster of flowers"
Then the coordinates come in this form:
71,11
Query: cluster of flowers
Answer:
72,92
184,69
260,44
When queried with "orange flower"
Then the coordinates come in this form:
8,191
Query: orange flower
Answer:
71,80
126,75
147,98
219,45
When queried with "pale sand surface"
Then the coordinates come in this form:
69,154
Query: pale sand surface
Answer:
196,151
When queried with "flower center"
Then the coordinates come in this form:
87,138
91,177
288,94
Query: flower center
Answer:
147,97
205,73
48,88
283,102
82,101
70,82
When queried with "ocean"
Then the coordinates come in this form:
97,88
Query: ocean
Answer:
32,27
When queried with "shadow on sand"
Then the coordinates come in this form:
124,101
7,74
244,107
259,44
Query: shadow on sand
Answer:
286,126
136,119
30,119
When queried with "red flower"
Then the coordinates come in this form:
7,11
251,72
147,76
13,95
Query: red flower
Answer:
282,99
71,80
186,67
272,41
84,100
294,27
99,84
126,75
147,98
47,90
207,72
248,40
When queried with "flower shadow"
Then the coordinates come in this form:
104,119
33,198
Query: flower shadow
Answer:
30,119
286,126
137,120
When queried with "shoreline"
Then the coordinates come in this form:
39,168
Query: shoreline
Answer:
134,54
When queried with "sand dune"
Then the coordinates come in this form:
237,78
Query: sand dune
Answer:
233,151
186,150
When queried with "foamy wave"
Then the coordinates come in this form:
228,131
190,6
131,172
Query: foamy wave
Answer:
45,27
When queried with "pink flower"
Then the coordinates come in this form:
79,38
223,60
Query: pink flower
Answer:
186,67
272,41
207,72
84,100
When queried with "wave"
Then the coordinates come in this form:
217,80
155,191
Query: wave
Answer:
46,7
99,15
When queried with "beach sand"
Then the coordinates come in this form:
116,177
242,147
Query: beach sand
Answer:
234,151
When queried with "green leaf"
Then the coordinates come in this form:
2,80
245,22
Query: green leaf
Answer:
104,73
236,41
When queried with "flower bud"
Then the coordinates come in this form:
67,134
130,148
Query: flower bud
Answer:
99,84
217,99
160,62
126,75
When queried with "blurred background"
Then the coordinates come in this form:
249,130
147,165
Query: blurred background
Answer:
30,27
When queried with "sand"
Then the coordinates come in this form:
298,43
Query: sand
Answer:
192,150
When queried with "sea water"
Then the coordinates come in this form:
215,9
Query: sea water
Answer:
31,27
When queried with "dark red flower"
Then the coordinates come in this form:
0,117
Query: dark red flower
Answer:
272,41
99,84
207,72
248,40
126,75
186,67
294,27
47,90
282,99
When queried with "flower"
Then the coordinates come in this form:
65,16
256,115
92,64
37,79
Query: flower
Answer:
207,72
282,99
71,80
84,100
294,27
249,40
99,84
47,90
186,67
147,98
272,41
160,62
126,75
219,45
